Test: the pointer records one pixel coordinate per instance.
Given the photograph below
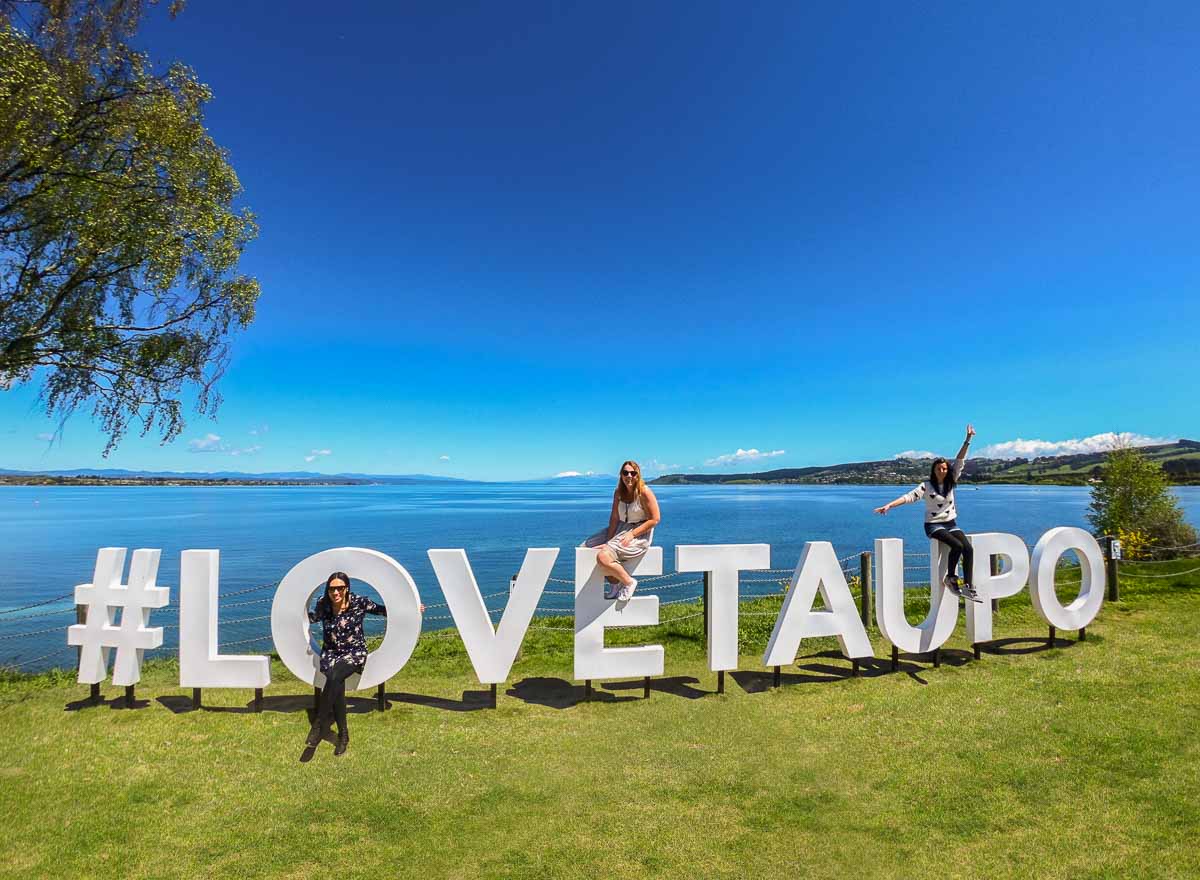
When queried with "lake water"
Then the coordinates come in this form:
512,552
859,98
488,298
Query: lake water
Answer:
51,534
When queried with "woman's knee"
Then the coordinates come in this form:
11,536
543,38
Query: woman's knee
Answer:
605,557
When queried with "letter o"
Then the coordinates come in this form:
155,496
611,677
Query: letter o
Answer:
289,614
1046,554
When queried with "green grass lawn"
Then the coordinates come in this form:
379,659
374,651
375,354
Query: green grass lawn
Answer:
1078,760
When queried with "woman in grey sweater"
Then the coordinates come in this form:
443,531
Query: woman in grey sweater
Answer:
941,516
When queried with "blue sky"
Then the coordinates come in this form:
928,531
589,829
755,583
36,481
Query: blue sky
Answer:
512,240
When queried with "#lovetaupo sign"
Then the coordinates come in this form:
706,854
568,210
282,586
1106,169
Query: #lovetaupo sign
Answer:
493,649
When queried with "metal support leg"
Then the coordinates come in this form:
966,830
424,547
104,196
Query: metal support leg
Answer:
721,681
646,688
895,658
195,698
130,696
94,693
494,696
778,677
258,699
854,668
1050,640
1083,634
380,698
975,648
937,658
587,688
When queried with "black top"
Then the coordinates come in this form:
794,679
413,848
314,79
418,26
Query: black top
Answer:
342,634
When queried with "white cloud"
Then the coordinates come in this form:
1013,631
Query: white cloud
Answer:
207,443
443,458
575,474
743,455
247,450
1021,448
317,453
915,453
45,438
657,467
259,430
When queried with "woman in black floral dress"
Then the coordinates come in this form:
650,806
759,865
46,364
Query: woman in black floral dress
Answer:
343,653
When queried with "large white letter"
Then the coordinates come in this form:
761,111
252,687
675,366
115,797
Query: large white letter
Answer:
994,586
289,613
492,652
200,662
938,625
1046,554
817,569
724,561
593,613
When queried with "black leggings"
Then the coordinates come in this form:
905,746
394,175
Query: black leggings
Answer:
959,545
333,695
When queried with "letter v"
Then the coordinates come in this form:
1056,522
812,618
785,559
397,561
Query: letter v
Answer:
492,652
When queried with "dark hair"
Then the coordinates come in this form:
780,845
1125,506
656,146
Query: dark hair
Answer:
949,484
336,576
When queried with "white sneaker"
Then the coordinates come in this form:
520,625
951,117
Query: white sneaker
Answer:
627,591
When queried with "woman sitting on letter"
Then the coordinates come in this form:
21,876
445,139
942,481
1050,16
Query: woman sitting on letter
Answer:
630,530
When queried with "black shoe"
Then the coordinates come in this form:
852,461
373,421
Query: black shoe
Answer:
343,741
314,735
950,582
968,592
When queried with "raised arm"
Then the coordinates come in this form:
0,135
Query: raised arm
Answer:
962,451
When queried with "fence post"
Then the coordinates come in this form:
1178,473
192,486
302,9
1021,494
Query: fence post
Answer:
1110,566
864,566
707,582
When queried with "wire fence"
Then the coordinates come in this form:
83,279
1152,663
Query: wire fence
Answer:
674,589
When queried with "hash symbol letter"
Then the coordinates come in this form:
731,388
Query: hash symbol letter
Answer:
103,596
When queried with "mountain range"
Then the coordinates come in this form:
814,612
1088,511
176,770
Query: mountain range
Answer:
1180,460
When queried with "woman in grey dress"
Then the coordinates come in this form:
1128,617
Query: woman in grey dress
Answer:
630,530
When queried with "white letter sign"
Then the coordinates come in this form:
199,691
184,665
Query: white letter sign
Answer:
593,613
938,625
289,613
492,651
723,561
817,569
1080,612
200,662
103,596
994,586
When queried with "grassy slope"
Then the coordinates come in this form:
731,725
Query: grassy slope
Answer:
1080,760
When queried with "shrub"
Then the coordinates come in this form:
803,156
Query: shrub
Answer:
1133,498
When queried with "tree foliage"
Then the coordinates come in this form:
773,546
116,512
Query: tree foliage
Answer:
1133,501
119,239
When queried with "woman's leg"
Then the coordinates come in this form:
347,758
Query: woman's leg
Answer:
612,568
968,554
948,538
333,695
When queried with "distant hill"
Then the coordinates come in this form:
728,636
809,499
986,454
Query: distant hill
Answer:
105,475
1181,461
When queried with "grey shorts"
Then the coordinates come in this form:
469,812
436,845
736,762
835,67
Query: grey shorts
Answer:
635,549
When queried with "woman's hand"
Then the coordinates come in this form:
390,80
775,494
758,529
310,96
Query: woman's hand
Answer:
970,432
422,607
627,538
882,511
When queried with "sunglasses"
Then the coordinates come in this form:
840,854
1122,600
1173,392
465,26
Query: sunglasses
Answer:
340,589
629,473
